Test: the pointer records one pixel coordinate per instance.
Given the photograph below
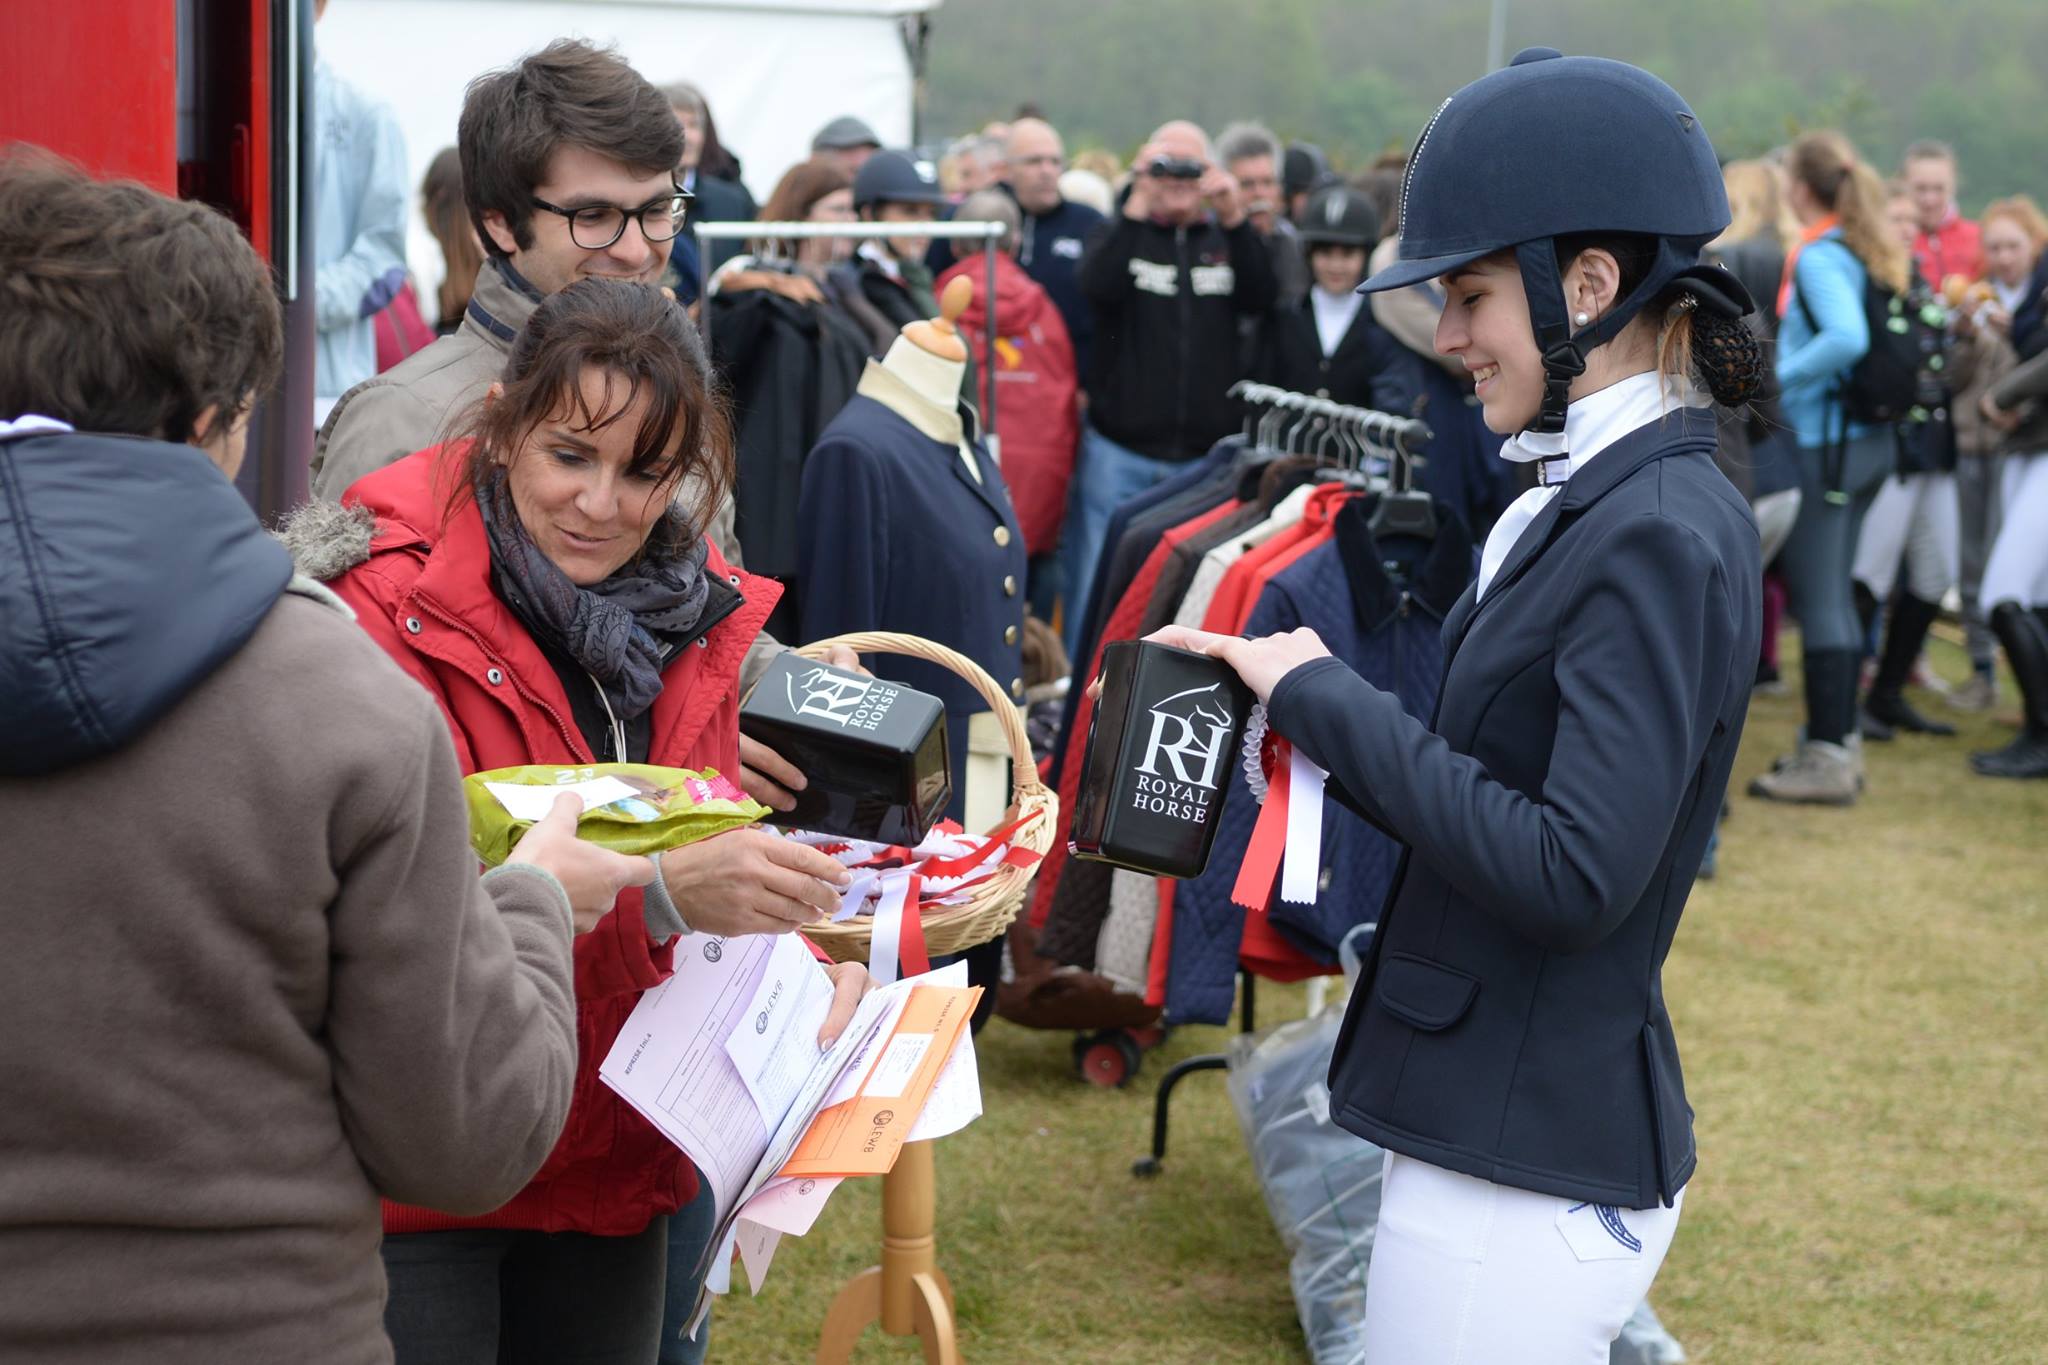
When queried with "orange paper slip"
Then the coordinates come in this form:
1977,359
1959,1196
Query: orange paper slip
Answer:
862,1136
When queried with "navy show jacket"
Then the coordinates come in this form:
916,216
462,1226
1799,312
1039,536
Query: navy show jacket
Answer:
894,534
1510,1022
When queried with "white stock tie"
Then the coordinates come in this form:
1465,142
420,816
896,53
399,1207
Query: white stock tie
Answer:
1525,446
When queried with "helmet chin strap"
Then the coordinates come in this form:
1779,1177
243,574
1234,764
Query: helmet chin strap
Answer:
1564,351
1564,356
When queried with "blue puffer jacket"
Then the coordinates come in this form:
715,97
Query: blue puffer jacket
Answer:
129,571
1823,334
1388,630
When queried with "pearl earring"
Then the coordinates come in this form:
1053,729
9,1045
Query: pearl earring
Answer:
1581,319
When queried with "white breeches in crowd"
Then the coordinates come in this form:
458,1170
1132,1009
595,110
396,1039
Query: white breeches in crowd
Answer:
1776,515
2018,568
1467,1272
1915,517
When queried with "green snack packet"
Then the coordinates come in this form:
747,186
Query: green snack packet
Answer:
627,807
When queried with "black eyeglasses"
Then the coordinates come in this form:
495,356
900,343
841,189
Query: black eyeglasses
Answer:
596,226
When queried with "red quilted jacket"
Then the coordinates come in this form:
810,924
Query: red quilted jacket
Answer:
425,594
1036,414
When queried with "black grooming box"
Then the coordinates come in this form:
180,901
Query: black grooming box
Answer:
1166,730
874,752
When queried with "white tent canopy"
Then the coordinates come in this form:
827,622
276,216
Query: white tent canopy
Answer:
773,71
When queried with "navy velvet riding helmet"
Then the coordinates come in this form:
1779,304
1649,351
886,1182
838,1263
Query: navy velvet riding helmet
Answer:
1550,146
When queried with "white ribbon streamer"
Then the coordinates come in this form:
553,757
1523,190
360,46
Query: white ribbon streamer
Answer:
1301,867
885,946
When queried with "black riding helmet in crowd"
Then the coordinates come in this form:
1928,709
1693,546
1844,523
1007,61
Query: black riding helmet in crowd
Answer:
1302,168
891,177
1552,146
1339,216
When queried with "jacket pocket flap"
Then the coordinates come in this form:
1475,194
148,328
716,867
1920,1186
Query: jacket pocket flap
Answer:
1425,994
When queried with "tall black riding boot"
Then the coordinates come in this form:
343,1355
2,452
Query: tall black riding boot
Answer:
1867,610
2025,638
1830,676
1912,617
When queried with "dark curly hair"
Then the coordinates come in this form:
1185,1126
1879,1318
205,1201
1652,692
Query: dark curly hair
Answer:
635,333
126,311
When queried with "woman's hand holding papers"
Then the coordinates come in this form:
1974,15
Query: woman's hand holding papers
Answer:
850,981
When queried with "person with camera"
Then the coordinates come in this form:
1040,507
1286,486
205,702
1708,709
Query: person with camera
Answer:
1168,278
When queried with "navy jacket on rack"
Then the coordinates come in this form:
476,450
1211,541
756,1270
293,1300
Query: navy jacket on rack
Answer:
1510,1022
791,367
1389,631
894,534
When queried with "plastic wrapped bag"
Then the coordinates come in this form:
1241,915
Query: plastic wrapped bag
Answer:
1643,1341
627,807
1322,1184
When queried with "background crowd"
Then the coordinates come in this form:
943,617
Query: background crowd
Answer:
1107,378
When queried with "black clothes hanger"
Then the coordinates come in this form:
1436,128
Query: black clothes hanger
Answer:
1403,509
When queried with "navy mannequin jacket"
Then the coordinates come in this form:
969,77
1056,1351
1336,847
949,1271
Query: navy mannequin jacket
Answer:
1510,1022
893,534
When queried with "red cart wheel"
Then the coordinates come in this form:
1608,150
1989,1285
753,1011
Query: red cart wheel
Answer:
1108,1059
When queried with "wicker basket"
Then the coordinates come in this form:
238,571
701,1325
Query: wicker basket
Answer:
993,902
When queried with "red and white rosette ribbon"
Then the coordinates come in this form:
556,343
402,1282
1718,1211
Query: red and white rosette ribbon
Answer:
1286,843
898,885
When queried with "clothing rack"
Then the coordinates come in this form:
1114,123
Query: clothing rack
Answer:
804,232
1356,434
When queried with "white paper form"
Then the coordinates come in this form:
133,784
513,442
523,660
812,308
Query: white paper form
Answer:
870,1021
670,1061
757,1248
788,1206
776,1046
955,1100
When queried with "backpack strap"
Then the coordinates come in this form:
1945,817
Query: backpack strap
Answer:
1834,443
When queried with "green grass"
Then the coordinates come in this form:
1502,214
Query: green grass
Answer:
1862,1002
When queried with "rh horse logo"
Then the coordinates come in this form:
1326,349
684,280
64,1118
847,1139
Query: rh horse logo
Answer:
828,695
1190,731
1189,726
850,703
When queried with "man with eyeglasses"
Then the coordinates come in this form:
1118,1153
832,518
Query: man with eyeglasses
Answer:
568,168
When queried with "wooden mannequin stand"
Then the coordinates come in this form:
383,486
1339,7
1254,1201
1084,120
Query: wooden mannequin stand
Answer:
907,1293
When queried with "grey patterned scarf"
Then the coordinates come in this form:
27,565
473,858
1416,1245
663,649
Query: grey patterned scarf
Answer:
614,629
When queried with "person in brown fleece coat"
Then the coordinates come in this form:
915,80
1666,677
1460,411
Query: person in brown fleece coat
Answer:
249,978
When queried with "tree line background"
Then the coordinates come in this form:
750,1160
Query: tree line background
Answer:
1359,77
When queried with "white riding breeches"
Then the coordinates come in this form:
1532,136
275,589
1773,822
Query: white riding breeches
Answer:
1467,1272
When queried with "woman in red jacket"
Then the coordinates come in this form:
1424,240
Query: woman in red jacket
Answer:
546,578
